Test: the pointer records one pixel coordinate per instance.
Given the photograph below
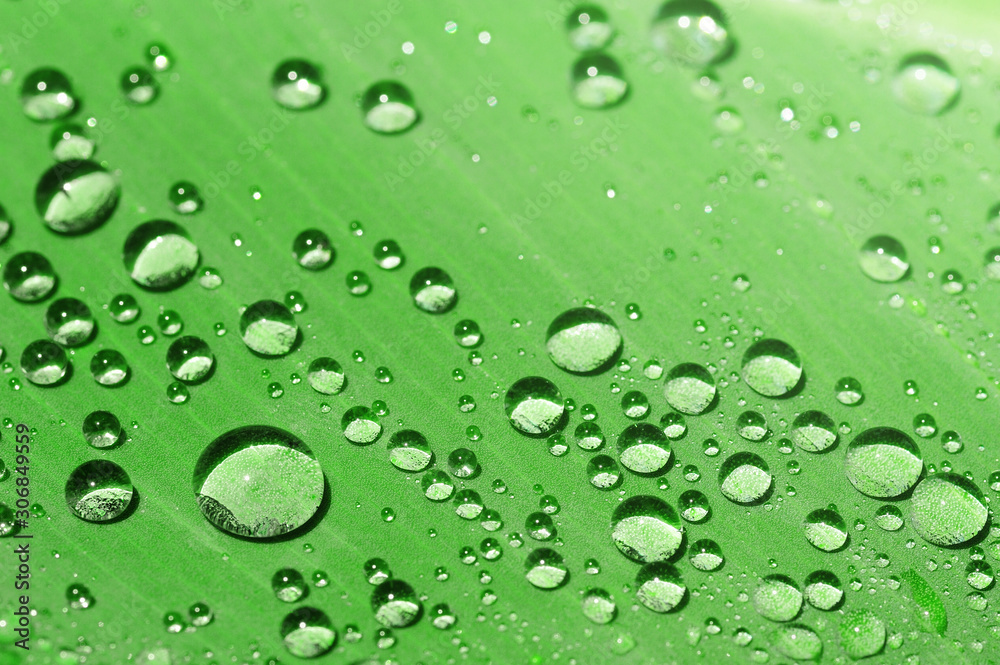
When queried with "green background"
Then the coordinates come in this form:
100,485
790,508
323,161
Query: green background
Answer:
326,169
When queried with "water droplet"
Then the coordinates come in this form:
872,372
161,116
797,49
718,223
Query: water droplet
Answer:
643,448
924,84
358,283
46,94
862,634
124,308
29,277
534,406
159,57
160,256
361,425
297,85
395,604
771,367
258,482
44,363
814,431
545,569
777,598
268,328
689,388
442,617
177,393
951,442
388,108
889,517
598,81
169,322
583,340
101,429
825,530
288,585
326,376
433,291
706,555
190,359
588,28
313,250
589,436
139,86
924,425
79,597
692,32
883,462
745,478
848,391
307,633
603,472
798,642
883,259
694,506
200,614
184,198
752,426
98,491
674,426
646,529
947,509
409,451
388,255
660,587
69,322
71,142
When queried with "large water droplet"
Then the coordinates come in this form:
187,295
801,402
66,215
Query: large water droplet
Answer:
69,322
825,530
433,291
139,86
823,590
603,472
777,598
71,142
883,259
689,388
361,425
109,368
389,108
583,340
160,256
643,448
258,482
798,642
44,363
101,429
745,478
545,569
268,328
883,462
307,633
646,529
814,431
598,81
326,376
288,585
29,277
924,84
534,406
76,196
692,32
599,606
588,28
948,509
771,367
395,604
660,587
862,634
409,451
297,85
98,491
313,250
46,94
190,359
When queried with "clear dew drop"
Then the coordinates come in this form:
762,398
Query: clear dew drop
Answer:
848,391
862,634
777,598
98,491
395,604
297,85
883,462
184,198
258,482
534,406
79,597
659,587
139,86
326,376
409,451
583,340
798,642
603,472
771,367
825,530
598,81
813,431
29,277
599,606
388,108
544,568
433,291
101,429
159,57
268,327
588,28
706,555
177,393
160,256
745,478
288,585
752,426
924,425
689,388
947,509
823,590
889,517
69,322
589,436
924,84
46,94
388,255
44,363
646,529
883,259
361,425
76,196
71,141
308,633
190,359
313,250
124,308
692,32
643,448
